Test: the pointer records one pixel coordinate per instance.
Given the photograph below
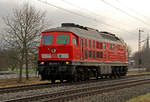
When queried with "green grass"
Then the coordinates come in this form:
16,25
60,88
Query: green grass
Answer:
142,98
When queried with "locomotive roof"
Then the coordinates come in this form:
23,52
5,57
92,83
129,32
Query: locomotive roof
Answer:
89,33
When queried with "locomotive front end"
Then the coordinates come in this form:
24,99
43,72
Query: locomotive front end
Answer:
55,53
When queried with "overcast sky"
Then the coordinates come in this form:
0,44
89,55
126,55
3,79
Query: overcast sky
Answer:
122,17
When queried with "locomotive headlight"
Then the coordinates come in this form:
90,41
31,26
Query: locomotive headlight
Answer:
42,63
67,62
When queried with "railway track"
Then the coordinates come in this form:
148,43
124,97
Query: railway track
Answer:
49,85
72,94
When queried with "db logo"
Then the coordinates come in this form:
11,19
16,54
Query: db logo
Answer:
53,50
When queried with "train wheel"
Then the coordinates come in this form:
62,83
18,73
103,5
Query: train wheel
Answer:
119,75
101,76
61,80
110,76
53,81
70,80
97,75
118,72
86,74
106,76
114,75
83,75
43,77
75,77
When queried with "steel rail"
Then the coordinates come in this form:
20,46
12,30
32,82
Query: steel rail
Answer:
49,85
80,92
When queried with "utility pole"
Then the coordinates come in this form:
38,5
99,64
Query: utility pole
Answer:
147,54
139,50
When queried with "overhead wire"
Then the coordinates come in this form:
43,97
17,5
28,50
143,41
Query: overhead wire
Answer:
120,10
132,10
103,16
84,9
94,14
63,9
45,2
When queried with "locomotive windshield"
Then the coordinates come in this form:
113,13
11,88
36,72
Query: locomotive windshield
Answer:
62,39
47,39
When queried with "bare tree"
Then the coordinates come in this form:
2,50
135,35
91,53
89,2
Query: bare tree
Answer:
129,50
23,30
145,57
3,60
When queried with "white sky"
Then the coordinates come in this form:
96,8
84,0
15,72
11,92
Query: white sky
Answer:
133,14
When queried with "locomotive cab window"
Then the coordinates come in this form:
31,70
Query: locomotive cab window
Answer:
110,46
74,41
104,46
62,39
85,42
81,42
118,47
47,39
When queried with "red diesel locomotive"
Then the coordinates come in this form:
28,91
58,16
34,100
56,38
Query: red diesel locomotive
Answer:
73,52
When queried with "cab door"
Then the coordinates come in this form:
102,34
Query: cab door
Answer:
81,50
76,49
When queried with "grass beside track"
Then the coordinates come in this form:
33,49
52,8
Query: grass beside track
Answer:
137,72
14,82
142,98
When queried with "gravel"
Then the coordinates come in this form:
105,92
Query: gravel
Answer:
103,97
121,95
